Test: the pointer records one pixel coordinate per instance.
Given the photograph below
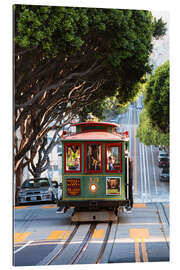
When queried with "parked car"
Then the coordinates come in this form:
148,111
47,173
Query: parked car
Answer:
37,190
164,175
56,186
162,154
164,162
162,148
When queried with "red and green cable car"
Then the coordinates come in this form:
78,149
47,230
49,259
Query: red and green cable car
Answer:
96,168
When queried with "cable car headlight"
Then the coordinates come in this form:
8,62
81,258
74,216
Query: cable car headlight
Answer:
93,188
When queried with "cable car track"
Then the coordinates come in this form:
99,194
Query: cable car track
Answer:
75,259
58,252
97,243
83,247
101,252
52,257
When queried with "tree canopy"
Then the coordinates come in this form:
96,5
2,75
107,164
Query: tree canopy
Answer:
148,133
157,98
67,58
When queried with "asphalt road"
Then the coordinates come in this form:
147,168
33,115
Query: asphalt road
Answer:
147,184
42,237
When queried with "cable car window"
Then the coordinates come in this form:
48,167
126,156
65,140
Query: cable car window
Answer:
113,158
93,157
73,158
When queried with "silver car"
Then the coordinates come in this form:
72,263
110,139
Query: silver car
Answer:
37,190
162,154
164,175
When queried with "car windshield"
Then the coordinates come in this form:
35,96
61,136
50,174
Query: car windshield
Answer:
164,159
165,170
36,183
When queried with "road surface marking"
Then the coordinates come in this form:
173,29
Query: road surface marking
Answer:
141,162
98,234
135,174
49,206
20,207
147,166
137,253
20,237
139,235
139,205
19,249
144,167
58,235
154,174
144,251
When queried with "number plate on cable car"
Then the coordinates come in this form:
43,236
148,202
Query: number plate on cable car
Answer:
73,187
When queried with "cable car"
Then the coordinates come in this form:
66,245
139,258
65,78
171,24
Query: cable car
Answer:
96,169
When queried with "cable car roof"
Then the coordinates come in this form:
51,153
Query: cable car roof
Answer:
93,123
94,136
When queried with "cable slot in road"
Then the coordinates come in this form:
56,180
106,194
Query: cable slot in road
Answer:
83,247
104,243
58,250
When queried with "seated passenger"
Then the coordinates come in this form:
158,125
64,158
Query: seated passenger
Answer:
111,163
77,164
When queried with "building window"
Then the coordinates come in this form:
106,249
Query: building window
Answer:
59,149
72,157
93,157
53,168
113,158
56,168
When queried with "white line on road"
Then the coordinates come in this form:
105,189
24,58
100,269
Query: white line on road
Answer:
19,249
141,165
148,179
145,180
155,183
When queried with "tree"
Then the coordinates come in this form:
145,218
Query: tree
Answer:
42,162
148,133
159,28
157,98
68,58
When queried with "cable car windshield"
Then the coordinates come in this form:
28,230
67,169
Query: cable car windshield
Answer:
113,158
94,161
73,157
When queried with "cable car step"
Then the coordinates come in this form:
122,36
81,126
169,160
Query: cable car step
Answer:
88,216
61,210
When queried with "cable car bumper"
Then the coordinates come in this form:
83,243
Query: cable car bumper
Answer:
95,204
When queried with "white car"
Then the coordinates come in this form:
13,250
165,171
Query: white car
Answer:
37,190
162,154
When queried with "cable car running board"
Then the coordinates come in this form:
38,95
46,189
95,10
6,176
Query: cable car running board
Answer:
99,216
61,210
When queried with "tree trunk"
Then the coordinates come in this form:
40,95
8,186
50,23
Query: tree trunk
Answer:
37,175
18,179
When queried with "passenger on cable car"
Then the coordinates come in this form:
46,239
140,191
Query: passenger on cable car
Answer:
93,157
111,163
73,160
77,164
